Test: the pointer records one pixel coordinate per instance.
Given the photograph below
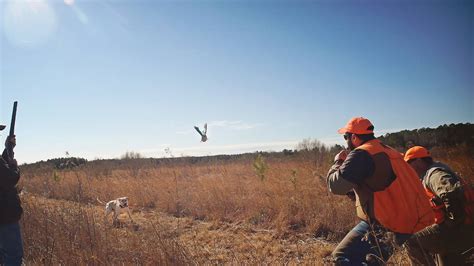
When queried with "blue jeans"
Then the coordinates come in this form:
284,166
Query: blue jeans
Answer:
358,243
11,247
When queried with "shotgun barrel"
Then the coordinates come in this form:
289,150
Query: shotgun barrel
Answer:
12,123
9,146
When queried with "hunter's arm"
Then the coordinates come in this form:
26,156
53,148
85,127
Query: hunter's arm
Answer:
449,189
9,176
342,178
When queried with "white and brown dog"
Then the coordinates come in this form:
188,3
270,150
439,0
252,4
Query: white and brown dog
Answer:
116,207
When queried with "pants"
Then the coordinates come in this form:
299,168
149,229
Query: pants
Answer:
360,246
11,247
446,242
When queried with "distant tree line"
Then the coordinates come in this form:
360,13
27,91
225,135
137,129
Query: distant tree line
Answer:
66,163
321,154
442,136
57,163
130,155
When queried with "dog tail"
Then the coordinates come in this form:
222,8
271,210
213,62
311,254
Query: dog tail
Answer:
99,200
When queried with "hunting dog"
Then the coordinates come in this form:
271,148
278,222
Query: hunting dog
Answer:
117,206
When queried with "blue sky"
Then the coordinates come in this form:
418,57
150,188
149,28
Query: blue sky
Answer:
99,78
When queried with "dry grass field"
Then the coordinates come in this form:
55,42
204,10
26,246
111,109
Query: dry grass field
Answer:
211,212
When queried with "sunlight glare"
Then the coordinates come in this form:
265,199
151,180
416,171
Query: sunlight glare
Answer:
29,23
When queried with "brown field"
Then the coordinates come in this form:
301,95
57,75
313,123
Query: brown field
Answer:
211,212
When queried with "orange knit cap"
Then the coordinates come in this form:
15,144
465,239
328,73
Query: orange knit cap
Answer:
416,152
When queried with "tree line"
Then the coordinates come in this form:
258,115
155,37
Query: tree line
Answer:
442,136
313,149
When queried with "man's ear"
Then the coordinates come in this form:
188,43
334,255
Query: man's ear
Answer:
355,140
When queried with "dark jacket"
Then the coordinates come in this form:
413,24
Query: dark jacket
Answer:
357,173
10,206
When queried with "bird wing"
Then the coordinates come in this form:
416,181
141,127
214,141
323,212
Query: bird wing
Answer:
205,129
199,131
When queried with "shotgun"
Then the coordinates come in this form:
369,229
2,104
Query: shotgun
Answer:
8,145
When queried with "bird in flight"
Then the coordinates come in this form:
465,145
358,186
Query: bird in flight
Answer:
203,133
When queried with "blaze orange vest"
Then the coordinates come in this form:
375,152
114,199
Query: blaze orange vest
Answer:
402,206
439,208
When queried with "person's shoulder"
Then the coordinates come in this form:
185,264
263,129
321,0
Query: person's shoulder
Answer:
359,153
439,174
438,168
358,156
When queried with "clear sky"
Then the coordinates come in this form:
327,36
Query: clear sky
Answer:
98,78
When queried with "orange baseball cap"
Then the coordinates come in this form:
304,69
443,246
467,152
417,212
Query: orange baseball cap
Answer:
416,152
357,125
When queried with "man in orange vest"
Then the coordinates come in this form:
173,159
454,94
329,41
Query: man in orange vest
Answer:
452,199
386,188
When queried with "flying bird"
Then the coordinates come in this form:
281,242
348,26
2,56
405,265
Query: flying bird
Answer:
203,133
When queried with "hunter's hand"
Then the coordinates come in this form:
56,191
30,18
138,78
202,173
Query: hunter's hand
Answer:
341,156
10,141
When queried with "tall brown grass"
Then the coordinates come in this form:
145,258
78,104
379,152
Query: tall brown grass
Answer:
63,221
293,196
61,232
